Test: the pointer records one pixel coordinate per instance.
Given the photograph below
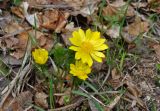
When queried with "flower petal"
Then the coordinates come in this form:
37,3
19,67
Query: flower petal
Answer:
89,60
75,41
82,34
74,48
88,34
98,59
99,54
95,35
102,47
88,70
83,77
77,55
98,42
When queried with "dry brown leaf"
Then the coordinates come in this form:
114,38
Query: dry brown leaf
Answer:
157,50
131,87
83,7
113,32
155,5
131,31
17,11
138,27
39,2
19,103
110,10
67,93
41,99
12,27
9,42
43,39
137,99
114,8
20,47
116,80
53,19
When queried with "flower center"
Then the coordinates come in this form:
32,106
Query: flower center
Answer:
87,47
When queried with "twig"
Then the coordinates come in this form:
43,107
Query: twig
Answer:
106,92
55,6
108,73
113,103
92,96
68,107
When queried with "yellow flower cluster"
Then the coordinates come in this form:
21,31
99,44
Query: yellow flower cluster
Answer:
40,56
87,46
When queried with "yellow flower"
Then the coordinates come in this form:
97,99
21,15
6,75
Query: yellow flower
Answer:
40,55
87,46
80,70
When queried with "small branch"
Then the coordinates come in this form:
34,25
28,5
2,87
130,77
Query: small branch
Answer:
92,96
108,73
69,107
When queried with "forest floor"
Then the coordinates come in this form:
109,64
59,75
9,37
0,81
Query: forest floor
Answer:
79,55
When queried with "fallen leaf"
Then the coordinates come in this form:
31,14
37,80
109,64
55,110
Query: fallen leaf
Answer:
115,9
12,27
33,20
18,103
41,99
44,40
113,32
157,50
131,31
18,11
20,47
116,80
53,19
155,5
67,93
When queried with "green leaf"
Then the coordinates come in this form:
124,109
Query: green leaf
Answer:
80,93
17,2
63,57
51,96
98,106
158,67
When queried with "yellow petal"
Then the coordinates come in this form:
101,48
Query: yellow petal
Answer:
89,60
72,66
82,34
99,42
99,54
75,41
88,70
77,55
102,47
88,34
84,58
74,48
98,59
95,35
77,36
83,77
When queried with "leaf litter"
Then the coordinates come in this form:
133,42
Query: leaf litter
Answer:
129,82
